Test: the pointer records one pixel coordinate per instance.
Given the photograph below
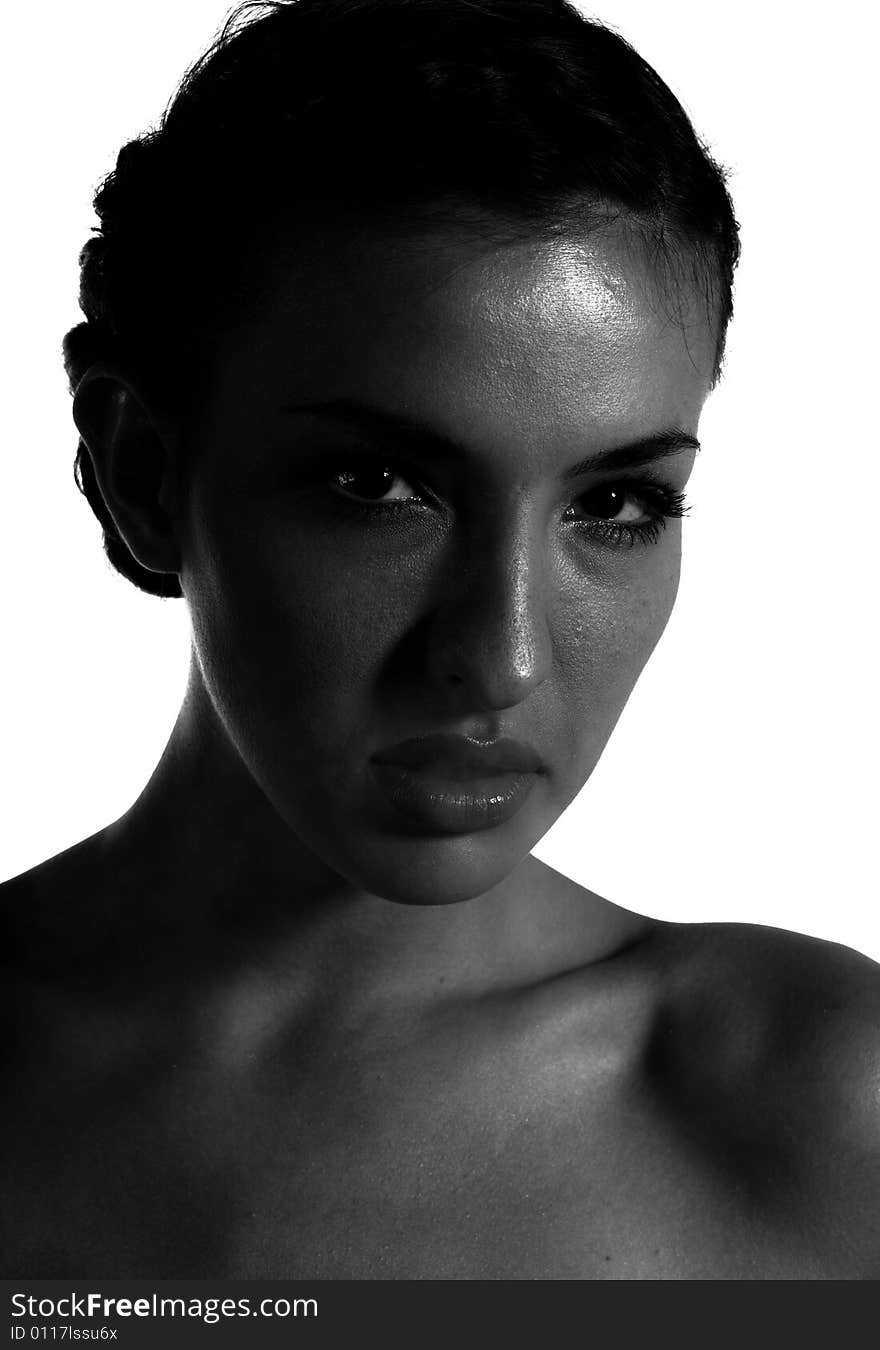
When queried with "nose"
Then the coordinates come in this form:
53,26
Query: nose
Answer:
490,638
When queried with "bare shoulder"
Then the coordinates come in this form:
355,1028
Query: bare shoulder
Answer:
53,919
776,1037
781,994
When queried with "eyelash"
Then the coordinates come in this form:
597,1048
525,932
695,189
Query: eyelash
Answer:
661,503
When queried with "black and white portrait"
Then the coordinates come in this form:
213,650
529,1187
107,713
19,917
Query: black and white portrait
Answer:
438,713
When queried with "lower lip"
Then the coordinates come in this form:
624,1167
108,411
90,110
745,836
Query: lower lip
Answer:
453,805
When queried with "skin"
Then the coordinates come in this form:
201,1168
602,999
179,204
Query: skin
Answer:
267,1028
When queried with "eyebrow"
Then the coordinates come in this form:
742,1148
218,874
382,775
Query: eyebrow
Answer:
361,416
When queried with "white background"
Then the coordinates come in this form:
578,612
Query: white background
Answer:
740,783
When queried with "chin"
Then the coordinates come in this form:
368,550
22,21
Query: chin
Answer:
442,870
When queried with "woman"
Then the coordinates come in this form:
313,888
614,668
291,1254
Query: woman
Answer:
397,337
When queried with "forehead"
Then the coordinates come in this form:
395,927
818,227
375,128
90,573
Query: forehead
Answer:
537,338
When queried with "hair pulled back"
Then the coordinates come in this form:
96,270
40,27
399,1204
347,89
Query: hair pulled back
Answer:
521,109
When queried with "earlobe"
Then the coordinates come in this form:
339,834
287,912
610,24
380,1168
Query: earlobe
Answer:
134,464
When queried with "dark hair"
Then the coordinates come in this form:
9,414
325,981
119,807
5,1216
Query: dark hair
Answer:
519,109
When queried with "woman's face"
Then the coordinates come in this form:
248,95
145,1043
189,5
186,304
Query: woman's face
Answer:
426,495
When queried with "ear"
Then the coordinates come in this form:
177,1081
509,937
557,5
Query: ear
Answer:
135,458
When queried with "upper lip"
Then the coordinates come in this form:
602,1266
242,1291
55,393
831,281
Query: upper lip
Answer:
462,754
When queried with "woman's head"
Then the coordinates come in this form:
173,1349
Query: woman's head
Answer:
408,313
517,113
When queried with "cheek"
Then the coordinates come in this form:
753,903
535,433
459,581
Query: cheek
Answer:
604,642
292,626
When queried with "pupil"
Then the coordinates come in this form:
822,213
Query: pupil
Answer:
605,502
370,482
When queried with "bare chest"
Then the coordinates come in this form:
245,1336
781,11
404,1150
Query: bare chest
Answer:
437,1174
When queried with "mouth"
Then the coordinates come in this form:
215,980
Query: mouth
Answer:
453,784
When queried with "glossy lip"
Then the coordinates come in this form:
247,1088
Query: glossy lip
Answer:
453,784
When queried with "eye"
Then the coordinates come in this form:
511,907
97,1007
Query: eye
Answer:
376,483
625,514
613,502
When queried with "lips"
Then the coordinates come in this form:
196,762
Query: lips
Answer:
451,784
460,757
